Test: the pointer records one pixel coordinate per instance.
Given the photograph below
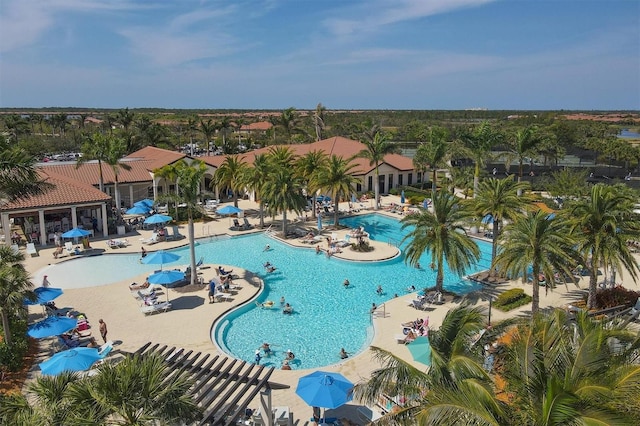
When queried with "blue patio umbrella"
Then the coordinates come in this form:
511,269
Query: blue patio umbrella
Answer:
323,198
325,389
420,349
227,210
157,218
51,326
76,233
487,219
44,295
402,197
139,210
78,359
159,258
144,203
165,277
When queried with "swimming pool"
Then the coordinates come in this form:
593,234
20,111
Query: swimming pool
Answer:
327,316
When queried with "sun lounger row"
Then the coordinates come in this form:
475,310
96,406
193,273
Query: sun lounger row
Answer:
244,227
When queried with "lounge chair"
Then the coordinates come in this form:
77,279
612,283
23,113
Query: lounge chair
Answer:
105,349
151,240
68,246
236,225
155,308
418,304
247,225
31,249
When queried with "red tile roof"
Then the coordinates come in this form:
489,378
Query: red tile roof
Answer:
342,147
66,192
157,157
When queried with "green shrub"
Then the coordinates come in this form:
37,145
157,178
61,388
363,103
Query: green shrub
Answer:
511,299
11,356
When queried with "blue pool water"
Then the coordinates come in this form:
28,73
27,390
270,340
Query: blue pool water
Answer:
327,316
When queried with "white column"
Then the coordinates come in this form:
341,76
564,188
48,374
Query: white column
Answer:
105,225
130,195
44,237
74,217
155,189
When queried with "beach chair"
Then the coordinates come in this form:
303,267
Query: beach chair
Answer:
105,349
15,248
155,308
31,249
236,225
247,225
151,240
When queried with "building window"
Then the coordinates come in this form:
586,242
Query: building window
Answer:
409,178
370,183
172,188
419,177
358,187
400,179
390,182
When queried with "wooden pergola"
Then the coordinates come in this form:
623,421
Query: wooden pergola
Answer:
223,387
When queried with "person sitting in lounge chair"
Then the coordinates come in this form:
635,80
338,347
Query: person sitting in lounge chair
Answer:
409,337
136,286
57,252
223,272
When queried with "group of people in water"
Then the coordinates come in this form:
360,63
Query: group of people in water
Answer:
266,351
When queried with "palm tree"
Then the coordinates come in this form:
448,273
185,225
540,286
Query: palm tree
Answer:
454,390
442,234
375,151
318,120
254,179
477,144
308,167
170,174
499,198
337,179
229,176
434,153
224,125
283,191
125,118
538,244
602,225
556,372
117,149
96,147
524,144
19,177
189,178
15,286
208,129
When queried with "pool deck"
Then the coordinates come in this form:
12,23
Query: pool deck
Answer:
188,324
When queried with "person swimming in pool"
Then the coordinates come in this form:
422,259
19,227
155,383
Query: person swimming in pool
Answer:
266,349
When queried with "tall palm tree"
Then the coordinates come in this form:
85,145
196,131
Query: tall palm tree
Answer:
433,153
254,179
538,244
442,234
308,167
524,144
337,179
602,225
224,125
170,174
376,149
96,147
125,117
477,144
499,198
189,179
283,191
19,177
229,176
208,130
557,372
318,120
15,286
117,149
454,390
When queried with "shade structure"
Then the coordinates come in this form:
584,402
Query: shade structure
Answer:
76,233
487,219
44,295
325,389
78,359
166,277
323,198
227,210
402,197
144,203
158,218
51,326
139,210
160,258
420,349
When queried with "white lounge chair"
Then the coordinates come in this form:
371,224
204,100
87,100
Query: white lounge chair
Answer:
31,249
151,240
155,308
105,349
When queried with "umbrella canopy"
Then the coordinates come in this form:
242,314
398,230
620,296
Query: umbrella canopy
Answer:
324,389
402,197
488,219
551,216
139,210
226,210
44,295
159,258
78,359
166,277
421,350
76,233
323,198
52,326
144,203
158,218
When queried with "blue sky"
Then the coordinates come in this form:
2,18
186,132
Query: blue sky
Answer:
369,54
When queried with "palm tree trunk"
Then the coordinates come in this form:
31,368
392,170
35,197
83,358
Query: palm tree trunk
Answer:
494,242
535,298
434,186
376,189
235,198
476,179
192,249
336,210
6,328
593,286
284,223
261,214
439,276
116,189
